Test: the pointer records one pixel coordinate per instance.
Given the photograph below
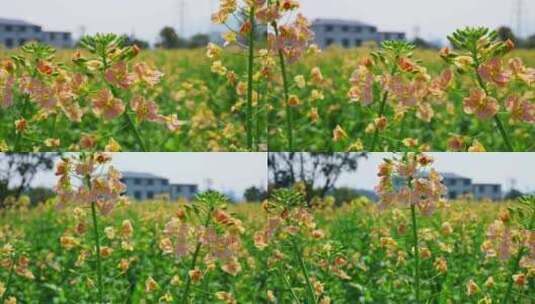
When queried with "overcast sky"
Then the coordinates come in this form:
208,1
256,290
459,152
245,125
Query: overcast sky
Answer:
499,168
145,18
225,171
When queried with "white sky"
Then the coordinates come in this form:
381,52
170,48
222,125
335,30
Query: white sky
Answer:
228,172
435,18
481,167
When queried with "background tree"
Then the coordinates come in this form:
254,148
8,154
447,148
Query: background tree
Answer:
530,42
513,194
131,40
170,40
319,172
254,194
506,33
199,41
423,44
18,170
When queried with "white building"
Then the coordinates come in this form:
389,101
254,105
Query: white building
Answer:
15,33
187,191
487,191
146,186
349,33
459,186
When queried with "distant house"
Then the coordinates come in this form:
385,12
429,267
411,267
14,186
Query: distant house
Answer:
487,191
146,186
459,186
349,33
391,36
58,39
187,191
15,33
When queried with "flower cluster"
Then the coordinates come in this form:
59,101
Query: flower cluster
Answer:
292,39
38,90
291,230
247,13
505,239
404,181
86,179
497,76
404,84
180,239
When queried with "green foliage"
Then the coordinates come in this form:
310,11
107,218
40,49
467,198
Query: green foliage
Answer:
479,41
205,202
354,242
102,43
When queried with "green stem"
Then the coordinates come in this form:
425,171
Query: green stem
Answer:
258,114
289,112
250,71
503,133
497,120
194,260
416,253
289,286
401,134
87,181
516,265
97,244
129,121
18,135
310,289
382,106
381,113
9,279
132,125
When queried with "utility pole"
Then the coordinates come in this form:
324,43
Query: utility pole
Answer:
182,14
82,30
416,31
518,17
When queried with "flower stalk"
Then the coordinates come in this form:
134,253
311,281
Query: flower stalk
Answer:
416,253
382,106
285,83
499,124
134,129
298,255
196,253
250,71
9,280
97,244
516,263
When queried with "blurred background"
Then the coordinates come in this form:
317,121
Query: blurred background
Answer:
249,177
187,23
346,176
169,176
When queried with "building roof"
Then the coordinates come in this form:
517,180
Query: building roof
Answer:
448,175
58,32
130,174
391,32
325,21
486,184
452,175
5,21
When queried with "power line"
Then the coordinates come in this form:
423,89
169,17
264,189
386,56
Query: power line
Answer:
518,13
182,14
